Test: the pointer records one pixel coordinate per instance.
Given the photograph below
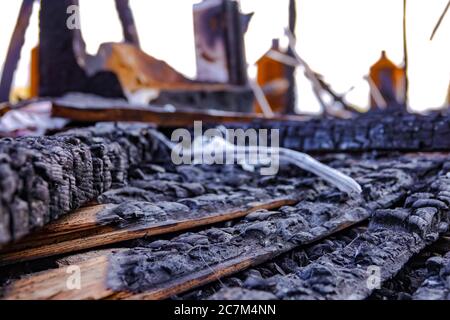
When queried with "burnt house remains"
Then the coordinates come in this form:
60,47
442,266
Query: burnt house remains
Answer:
102,192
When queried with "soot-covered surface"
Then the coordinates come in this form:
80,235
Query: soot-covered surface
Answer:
263,235
376,130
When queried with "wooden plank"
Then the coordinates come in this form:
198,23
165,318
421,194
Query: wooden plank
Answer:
53,284
81,230
210,274
185,117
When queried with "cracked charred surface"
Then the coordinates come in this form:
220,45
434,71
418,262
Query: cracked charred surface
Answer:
201,189
372,131
282,265
394,236
264,235
163,198
405,282
437,280
42,178
157,194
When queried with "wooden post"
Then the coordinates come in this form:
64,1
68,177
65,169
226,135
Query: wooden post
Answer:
130,33
405,56
219,40
15,46
290,70
62,55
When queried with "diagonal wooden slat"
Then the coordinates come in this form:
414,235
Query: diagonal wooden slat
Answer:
15,46
81,230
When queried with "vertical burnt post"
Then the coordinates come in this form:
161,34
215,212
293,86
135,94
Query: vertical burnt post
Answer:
405,57
61,50
237,64
130,33
290,70
15,46
219,39
62,55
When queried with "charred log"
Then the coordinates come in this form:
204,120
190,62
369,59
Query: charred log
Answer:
373,131
43,178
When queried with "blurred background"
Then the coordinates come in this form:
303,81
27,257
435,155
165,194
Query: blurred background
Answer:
339,39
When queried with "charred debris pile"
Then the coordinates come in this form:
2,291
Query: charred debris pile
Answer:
108,199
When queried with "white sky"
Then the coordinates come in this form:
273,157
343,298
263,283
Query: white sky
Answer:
338,38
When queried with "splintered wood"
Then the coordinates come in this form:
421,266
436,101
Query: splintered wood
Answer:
82,230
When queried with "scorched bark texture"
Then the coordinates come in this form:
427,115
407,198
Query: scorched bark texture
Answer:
371,131
42,178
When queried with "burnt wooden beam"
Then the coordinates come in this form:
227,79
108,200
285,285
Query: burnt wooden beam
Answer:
219,36
438,23
290,70
284,264
157,200
170,271
237,64
125,13
14,49
43,178
405,56
59,70
383,130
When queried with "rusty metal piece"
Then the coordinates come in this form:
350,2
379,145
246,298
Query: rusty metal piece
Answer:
134,68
